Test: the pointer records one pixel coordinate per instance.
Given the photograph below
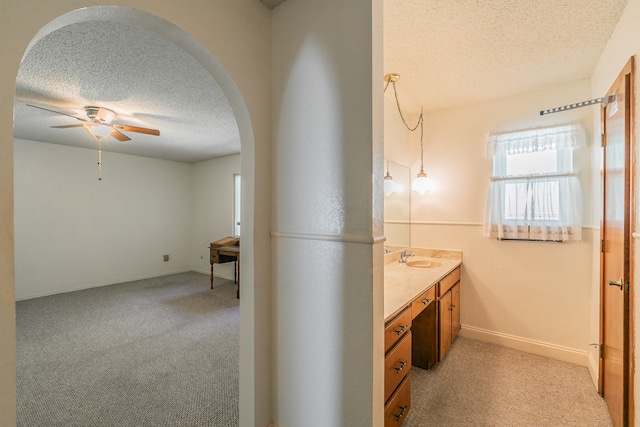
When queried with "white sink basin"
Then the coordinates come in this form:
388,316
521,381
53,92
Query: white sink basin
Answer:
423,263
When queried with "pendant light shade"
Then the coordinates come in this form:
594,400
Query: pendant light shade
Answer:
98,130
390,186
422,184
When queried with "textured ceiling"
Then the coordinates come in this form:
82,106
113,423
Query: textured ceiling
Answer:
447,52
457,52
147,80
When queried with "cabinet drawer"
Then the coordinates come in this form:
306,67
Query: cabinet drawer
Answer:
448,281
423,301
397,365
395,329
396,410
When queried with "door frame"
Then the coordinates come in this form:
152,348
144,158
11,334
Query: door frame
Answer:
630,222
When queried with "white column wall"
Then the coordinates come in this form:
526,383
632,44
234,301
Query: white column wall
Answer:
327,320
74,232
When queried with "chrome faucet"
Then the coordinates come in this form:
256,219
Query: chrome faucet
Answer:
404,255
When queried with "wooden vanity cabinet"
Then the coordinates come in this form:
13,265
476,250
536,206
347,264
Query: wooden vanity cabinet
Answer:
424,353
397,363
448,311
419,335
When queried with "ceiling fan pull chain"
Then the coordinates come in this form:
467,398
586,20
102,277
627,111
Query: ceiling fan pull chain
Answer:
99,160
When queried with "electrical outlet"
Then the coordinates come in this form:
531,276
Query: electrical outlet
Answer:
166,258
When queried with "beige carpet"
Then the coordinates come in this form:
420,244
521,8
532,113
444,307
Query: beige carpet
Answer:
480,384
155,352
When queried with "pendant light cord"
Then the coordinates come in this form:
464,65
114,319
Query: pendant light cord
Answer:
420,122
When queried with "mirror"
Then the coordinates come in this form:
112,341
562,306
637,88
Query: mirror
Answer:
397,208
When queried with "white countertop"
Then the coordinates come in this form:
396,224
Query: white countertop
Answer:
403,284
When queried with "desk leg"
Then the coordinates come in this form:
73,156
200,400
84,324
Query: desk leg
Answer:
212,276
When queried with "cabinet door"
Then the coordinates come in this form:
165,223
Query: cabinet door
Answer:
455,310
444,313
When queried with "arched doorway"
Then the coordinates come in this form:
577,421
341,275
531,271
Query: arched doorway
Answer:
148,22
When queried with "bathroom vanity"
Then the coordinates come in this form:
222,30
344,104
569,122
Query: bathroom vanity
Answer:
422,318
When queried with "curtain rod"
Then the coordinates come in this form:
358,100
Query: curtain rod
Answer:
603,100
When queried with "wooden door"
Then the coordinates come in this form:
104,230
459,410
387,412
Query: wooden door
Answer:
444,313
615,324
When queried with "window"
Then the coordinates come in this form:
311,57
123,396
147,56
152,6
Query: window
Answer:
237,188
534,193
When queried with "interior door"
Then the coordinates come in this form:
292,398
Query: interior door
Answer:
616,248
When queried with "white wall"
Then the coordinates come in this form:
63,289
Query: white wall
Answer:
73,231
142,209
328,325
624,43
212,211
534,296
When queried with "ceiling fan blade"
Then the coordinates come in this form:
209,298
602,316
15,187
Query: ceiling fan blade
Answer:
68,126
120,136
128,128
57,112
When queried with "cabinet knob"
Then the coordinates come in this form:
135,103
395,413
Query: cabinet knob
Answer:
401,330
401,367
402,410
426,301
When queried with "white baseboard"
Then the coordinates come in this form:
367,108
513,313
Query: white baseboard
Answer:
552,351
97,285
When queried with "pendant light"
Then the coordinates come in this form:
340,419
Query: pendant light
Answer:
422,184
390,186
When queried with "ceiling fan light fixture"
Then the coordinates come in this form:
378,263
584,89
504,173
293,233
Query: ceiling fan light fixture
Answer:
99,114
98,123
98,130
106,116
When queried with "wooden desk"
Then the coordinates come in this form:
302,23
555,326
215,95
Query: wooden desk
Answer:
223,254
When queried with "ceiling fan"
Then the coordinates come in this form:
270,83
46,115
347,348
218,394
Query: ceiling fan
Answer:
99,123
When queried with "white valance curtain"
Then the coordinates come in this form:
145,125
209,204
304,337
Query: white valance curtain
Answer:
563,137
535,206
